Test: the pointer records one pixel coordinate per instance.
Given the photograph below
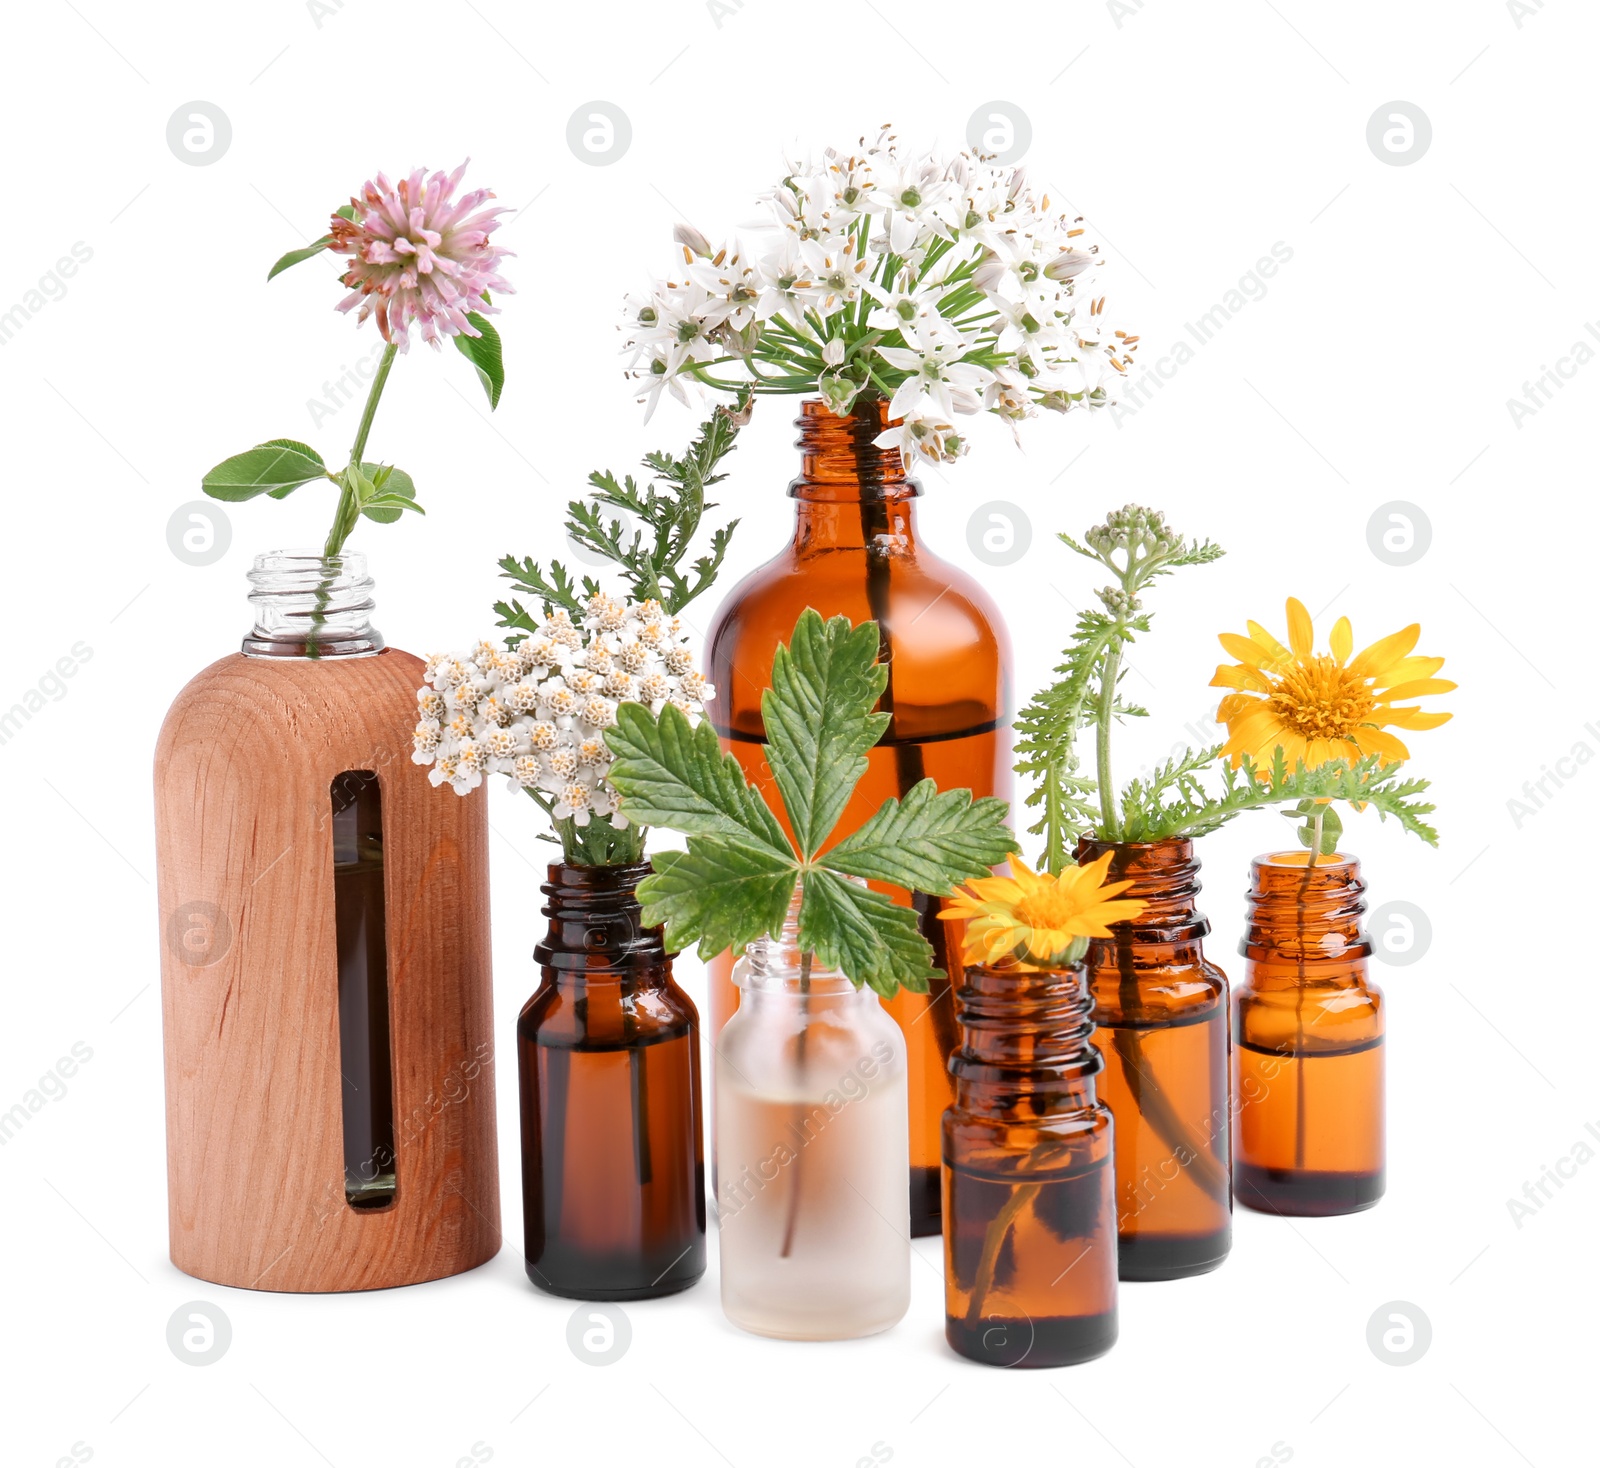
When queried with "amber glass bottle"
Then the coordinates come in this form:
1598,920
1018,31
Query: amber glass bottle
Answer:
1162,1015
1308,1043
1030,1221
608,1053
855,552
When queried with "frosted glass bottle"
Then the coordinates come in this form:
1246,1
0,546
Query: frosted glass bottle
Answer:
814,1205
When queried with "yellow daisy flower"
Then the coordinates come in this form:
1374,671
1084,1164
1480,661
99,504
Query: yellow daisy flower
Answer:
1037,914
1323,706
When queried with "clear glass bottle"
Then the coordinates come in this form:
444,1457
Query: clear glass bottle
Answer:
1161,1011
311,606
1030,1217
608,1055
813,1206
1308,1043
856,552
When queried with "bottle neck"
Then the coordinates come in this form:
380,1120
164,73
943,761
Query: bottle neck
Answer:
597,932
1305,915
311,606
1026,1040
1166,877
776,967
851,494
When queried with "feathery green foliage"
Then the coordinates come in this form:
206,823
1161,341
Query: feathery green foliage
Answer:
651,557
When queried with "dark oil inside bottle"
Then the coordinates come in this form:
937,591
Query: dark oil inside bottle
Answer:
611,1211
366,1080
1043,1315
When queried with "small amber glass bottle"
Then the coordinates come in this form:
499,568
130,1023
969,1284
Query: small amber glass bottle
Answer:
856,552
1162,1015
1308,1043
608,1053
1030,1231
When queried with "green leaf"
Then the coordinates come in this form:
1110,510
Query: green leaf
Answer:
723,893
299,448
927,841
275,467
294,257
672,774
395,493
868,937
819,720
346,211
483,351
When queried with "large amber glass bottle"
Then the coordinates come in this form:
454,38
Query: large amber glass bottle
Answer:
1030,1219
855,552
608,1053
1162,1015
1308,1043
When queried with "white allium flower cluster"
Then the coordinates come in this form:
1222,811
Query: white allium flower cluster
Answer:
946,285
537,712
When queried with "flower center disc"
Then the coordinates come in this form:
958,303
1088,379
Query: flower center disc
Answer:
1320,700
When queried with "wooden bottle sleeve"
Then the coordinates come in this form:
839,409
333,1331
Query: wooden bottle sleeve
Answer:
249,980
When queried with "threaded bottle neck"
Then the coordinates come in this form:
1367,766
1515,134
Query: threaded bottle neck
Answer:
839,461
1299,913
778,964
1165,876
596,925
1024,1032
311,606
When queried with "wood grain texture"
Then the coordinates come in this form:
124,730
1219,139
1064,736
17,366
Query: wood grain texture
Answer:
249,983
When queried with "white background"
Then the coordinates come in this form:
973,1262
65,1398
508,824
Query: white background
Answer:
1377,367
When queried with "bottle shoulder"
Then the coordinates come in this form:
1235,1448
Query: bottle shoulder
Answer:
280,702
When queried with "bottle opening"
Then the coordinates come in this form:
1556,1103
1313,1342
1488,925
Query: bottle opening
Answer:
366,1077
311,606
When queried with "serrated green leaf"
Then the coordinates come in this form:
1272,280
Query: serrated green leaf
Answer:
927,841
671,773
294,257
484,352
818,720
722,893
275,467
868,937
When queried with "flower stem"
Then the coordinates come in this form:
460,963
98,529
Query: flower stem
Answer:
800,1070
344,520
1110,827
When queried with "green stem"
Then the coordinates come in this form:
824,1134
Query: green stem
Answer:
1111,829
345,517
800,1070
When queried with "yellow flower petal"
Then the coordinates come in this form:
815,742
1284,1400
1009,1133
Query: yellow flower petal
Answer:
1341,640
1259,635
1300,635
1374,661
1419,688
1380,741
1238,675
1252,654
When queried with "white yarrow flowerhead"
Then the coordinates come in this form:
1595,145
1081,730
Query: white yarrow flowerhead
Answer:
945,285
537,711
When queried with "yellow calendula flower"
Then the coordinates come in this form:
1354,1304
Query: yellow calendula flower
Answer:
1037,914
1323,706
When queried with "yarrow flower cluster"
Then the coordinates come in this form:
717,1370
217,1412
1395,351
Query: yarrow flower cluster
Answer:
943,285
537,711
419,255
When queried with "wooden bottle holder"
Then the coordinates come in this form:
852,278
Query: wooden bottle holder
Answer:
249,983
